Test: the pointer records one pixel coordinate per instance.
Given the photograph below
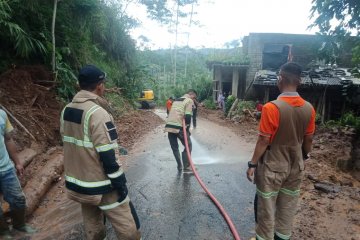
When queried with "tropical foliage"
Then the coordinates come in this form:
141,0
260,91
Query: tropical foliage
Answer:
87,32
338,19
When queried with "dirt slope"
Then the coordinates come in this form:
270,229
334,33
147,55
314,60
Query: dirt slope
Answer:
34,105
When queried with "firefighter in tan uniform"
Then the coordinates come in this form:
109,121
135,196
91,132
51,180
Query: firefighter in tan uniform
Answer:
182,108
287,126
92,175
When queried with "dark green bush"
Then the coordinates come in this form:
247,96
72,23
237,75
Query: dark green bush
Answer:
228,103
210,104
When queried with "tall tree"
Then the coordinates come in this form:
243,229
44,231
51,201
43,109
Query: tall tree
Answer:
23,43
53,60
337,19
188,37
336,16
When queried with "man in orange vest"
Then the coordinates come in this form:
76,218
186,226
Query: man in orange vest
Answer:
169,103
287,126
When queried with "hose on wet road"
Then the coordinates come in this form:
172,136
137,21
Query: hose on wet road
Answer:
211,196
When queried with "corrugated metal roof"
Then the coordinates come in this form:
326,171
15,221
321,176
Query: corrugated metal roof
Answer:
331,81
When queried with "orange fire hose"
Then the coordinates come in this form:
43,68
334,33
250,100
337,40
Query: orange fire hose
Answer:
212,197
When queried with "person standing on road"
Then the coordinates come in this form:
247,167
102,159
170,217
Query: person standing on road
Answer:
182,108
169,103
93,176
287,126
9,183
221,101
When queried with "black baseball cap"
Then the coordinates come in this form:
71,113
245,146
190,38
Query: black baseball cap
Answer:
91,74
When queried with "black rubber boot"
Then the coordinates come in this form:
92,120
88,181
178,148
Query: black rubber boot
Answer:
4,230
185,160
178,161
18,220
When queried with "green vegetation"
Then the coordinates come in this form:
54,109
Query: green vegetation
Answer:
229,55
250,105
86,32
209,104
157,72
347,120
228,103
337,20
66,35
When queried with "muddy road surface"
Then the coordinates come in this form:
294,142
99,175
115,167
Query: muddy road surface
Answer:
172,205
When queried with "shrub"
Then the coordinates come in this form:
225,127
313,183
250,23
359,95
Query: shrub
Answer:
245,105
348,119
228,103
209,104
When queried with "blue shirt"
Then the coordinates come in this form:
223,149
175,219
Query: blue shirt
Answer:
5,127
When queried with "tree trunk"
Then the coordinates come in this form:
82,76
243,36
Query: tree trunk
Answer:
36,188
53,59
188,37
176,38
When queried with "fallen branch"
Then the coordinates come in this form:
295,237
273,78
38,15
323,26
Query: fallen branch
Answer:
113,90
249,112
33,100
18,122
42,87
37,187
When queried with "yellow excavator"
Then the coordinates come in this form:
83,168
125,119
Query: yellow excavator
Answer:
146,99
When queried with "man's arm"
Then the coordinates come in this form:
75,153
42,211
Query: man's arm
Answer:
11,148
268,125
260,148
104,137
307,144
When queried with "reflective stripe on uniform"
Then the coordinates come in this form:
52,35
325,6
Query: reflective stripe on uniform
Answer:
106,147
87,184
87,119
115,174
78,142
290,192
114,205
62,116
173,123
266,194
259,238
283,236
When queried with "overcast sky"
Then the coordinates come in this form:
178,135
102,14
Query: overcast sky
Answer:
225,20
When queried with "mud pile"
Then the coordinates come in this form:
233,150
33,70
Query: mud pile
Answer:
329,205
133,125
26,94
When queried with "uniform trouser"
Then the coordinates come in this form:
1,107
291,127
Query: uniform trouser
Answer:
194,117
173,139
121,218
277,194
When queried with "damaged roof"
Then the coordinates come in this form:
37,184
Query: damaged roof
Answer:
316,78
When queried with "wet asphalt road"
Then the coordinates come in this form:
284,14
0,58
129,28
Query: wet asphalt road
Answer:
172,205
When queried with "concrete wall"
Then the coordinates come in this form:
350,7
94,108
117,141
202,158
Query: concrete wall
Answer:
304,49
233,76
